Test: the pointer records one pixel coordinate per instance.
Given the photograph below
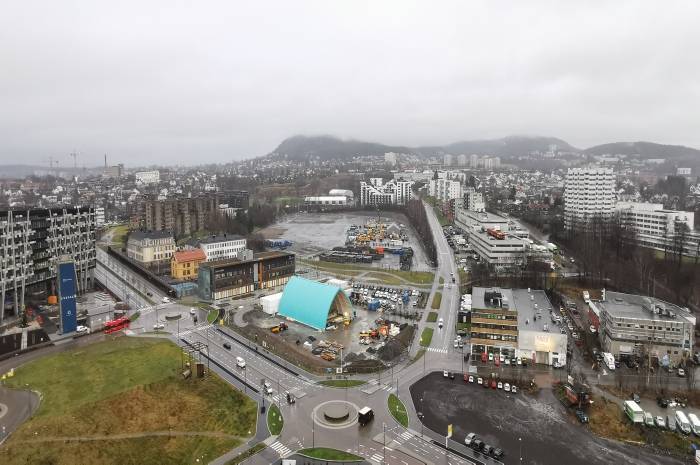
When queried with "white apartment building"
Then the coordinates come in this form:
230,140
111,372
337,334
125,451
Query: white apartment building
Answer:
447,160
588,193
223,247
99,216
150,247
658,228
393,192
473,200
445,189
147,177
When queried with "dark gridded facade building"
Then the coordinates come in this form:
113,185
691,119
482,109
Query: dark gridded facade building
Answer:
32,240
233,278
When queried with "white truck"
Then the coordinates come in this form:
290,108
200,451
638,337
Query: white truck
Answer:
682,422
586,296
609,360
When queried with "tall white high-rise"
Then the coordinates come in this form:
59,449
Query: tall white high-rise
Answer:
589,194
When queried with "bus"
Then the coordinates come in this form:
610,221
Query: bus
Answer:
633,411
117,324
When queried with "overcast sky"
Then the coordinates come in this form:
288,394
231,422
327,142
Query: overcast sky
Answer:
194,82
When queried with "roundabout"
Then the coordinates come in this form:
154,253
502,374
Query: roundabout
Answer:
335,414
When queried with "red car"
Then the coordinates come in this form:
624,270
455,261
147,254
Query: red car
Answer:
484,357
493,384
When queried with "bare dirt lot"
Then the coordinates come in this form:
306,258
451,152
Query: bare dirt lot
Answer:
313,233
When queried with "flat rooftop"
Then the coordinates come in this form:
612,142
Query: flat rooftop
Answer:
529,304
256,258
620,305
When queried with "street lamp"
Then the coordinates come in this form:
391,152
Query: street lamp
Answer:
520,443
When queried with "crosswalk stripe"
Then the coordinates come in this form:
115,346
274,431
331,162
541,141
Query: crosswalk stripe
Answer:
194,330
441,350
281,449
376,458
406,435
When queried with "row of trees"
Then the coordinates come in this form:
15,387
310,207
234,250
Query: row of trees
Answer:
415,212
244,223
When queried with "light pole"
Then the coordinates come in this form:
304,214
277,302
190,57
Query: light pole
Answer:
520,443
384,448
421,416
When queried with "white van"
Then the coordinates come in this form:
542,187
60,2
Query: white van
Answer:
240,363
694,423
682,422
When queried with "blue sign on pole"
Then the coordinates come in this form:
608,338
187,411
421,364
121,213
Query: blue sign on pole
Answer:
66,297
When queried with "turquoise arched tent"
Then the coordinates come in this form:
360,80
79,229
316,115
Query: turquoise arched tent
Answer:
310,302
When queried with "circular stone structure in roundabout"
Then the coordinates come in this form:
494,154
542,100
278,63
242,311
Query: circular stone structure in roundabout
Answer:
335,414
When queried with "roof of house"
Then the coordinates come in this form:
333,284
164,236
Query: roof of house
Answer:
308,302
220,238
139,235
189,255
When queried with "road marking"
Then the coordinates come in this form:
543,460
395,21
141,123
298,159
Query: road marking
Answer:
281,449
377,458
407,436
441,350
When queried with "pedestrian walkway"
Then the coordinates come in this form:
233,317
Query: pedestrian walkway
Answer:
195,329
441,350
281,449
376,458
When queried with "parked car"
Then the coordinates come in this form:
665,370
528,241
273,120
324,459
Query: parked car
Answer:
500,385
192,311
681,372
469,439
445,374
227,346
471,379
506,387
648,419
158,326
661,402
635,397
514,389
487,449
659,420
490,357
452,375
479,381
477,444
497,453
83,329
582,417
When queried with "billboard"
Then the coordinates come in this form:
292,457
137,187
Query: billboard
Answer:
66,296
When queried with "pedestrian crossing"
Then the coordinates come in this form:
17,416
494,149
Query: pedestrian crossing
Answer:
281,449
441,350
377,458
195,329
406,436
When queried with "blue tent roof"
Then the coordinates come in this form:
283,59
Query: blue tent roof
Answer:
308,302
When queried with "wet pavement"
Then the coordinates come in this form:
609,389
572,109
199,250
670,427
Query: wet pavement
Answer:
537,427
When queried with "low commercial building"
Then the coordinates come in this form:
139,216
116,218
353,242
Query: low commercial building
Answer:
223,247
515,323
326,201
635,325
234,278
150,248
185,264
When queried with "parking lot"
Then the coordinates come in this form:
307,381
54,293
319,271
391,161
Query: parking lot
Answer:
537,425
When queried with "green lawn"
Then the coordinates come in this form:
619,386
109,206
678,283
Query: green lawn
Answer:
437,300
419,354
119,235
275,422
398,410
212,315
442,280
426,337
342,383
326,453
126,386
432,317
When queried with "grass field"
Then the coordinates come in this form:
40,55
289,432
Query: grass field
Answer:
275,422
119,235
426,336
126,395
342,383
212,315
325,453
398,410
442,280
432,317
437,300
350,269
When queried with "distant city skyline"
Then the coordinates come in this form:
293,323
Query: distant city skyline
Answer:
168,84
